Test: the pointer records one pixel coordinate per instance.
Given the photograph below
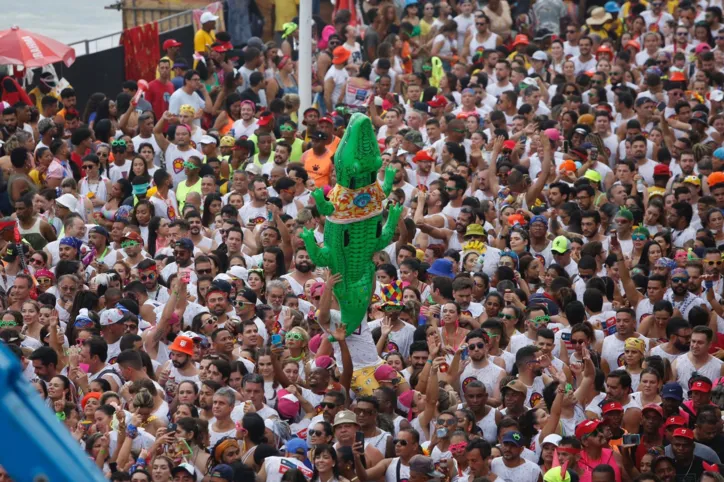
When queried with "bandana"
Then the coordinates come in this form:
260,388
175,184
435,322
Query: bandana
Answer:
83,319
44,273
189,165
123,212
72,242
635,344
679,272
665,263
187,109
139,189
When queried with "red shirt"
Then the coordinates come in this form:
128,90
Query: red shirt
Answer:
158,94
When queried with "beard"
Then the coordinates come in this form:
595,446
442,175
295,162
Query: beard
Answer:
305,267
195,230
218,310
680,290
178,364
682,347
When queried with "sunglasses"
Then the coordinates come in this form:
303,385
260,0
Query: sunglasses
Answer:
450,421
294,336
315,433
119,143
679,280
578,342
480,24
399,441
492,334
129,244
36,261
286,128
712,263
476,346
638,237
506,317
202,272
328,405
149,277
242,304
88,167
44,281
211,321
365,411
540,319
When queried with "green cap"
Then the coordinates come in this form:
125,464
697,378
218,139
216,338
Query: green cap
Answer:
642,230
592,175
561,245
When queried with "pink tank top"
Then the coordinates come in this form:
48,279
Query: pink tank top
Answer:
588,464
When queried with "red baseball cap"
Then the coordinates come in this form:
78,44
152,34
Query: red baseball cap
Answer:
684,432
587,427
437,101
612,407
265,119
509,145
676,420
422,156
661,170
167,44
655,407
700,386
326,118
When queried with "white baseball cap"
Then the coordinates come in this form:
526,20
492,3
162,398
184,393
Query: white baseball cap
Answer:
716,95
207,139
540,55
208,17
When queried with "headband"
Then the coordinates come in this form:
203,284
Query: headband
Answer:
282,62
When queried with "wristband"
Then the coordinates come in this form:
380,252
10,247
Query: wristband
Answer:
429,361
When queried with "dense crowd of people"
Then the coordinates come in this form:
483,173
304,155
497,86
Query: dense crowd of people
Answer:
549,309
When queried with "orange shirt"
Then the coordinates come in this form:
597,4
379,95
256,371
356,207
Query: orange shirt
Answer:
318,167
332,147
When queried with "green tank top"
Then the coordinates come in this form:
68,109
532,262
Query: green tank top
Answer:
182,191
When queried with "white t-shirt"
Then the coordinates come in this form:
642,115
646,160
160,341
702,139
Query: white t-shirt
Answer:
526,472
180,97
340,77
276,467
175,159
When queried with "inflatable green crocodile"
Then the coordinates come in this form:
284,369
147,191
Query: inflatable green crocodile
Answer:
353,230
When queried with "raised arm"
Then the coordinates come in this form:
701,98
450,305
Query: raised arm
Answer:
629,287
545,169
161,140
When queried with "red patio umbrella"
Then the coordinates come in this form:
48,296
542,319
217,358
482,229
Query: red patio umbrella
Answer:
20,47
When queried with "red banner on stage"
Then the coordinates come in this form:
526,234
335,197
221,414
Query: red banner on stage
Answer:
141,51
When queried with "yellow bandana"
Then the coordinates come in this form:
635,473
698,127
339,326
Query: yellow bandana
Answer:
351,205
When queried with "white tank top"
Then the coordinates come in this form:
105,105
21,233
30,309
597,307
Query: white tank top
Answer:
488,426
535,393
487,375
475,44
645,307
685,369
379,441
391,474
612,350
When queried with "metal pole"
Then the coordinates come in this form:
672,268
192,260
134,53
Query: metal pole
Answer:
305,56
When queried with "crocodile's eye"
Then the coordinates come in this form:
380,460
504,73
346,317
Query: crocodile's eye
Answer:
346,238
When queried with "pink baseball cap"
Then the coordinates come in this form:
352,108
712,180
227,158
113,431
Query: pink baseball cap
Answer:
315,342
287,404
323,361
385,373
701,48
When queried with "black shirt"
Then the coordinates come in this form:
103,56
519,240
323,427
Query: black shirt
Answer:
690,472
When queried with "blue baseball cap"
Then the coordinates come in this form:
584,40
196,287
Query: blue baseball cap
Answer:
222,471
672,390
719,153
612,7
514,438
538,219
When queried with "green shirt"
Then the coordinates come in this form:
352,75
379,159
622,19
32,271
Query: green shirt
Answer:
182,191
